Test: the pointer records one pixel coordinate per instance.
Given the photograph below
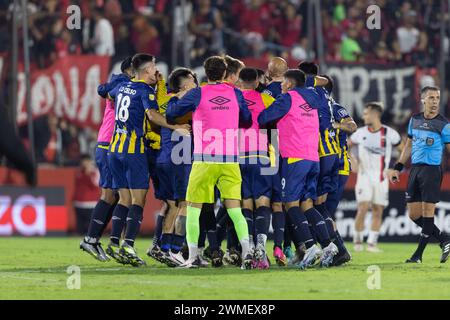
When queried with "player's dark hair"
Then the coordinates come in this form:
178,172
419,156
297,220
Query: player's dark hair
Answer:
126,64
140,59
177,76
329,86
215,68
233,65
429,88
260,72
298,77
248,75
309,68
376,106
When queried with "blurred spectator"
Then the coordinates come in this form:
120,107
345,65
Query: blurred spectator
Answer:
350,48
289,30
103,40
145,37
409,38
86,192
206,27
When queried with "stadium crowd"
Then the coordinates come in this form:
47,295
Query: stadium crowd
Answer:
241,28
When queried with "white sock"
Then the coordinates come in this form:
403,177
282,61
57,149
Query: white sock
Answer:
245,244
373,238
251,242
262,239
358,237
193,251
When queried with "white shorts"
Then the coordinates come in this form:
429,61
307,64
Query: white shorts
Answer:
366,190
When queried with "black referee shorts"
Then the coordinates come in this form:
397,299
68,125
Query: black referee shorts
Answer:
424,184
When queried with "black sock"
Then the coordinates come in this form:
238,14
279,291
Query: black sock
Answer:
287,232
158,230
166,240
262,221
320,227
221,228
108,218
232,239
177,243
427,231
300,228
248,215
339,242
119,219
134,220
278,224
313,233
98,220
437,233
328,220
210,226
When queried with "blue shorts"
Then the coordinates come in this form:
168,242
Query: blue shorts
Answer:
299,180
254,184
182,172
166,182
101,160
276,187
129,171
329,175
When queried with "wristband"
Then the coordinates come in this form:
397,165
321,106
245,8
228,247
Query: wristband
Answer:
399,166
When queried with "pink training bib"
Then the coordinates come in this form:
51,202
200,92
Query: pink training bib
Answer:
252,140
299,130
215,122
107,128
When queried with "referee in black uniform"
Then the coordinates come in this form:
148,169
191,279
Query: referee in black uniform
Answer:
428,133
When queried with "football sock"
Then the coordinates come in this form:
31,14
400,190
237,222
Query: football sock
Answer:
328,220
192,228
158,230
437,233
98,220
134,220
300,228
118,223
166,240
241,228
319,226
427,231
248,214
372,239
262,222
278,225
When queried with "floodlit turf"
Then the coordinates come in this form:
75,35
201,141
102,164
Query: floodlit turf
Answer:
36,268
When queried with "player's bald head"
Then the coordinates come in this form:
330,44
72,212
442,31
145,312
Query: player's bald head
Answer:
277,67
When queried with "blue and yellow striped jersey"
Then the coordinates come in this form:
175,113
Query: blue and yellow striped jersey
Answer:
340,113
132,100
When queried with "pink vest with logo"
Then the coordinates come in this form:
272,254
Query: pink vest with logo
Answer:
299,130
252,139
215,122
107,128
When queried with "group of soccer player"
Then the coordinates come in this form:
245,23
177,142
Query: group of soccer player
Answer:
228,157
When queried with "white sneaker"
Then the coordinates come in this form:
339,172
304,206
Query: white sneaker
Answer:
373,248
203,263
190,264
358,247
327,255
311,256
177,258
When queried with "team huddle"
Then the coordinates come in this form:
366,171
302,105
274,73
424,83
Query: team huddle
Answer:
229,158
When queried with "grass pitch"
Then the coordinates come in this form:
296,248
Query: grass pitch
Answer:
36,268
